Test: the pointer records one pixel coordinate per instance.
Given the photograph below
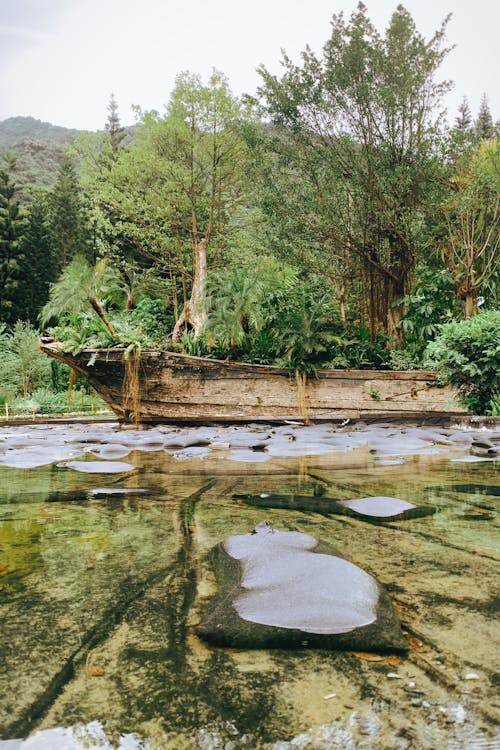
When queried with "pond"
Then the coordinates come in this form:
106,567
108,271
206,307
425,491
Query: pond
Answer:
105,574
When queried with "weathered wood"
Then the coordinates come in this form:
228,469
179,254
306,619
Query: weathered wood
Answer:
176,387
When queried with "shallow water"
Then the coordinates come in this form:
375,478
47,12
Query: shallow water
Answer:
103,577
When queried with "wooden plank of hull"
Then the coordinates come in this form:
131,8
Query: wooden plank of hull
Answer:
176,387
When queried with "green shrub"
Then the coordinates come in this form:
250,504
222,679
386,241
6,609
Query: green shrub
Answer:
353,349
22,366
467,355
409,358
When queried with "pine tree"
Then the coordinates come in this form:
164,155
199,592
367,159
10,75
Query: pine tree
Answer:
11,227
463,121
69,226
113,126
484,124
38,267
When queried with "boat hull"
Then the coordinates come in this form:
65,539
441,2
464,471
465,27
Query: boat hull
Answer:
176,387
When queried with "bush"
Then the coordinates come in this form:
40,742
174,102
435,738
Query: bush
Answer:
409,358
467,356
22,366
353,349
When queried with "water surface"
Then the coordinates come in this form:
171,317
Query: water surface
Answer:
103,577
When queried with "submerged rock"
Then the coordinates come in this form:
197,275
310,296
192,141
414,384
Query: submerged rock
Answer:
97,467
386,508
372,509
285,589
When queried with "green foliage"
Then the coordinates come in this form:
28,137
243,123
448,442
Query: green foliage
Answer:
23,368
304,331
431,303
153,318
354,349
467,355
409,358
38,266
493,408
238,301
11,228
46,401
80,287
356,133
69,221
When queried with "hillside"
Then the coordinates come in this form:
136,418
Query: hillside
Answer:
38,148
16,129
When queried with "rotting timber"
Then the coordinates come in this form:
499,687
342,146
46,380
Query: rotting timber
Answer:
177,387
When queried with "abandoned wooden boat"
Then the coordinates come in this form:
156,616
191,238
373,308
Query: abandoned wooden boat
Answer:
171,387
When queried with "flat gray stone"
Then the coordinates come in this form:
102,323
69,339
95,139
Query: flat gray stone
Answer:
287,590
97,467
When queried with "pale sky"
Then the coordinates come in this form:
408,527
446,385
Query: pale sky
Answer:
61,59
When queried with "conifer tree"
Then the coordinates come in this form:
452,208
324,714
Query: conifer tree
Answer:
38,266
69,228
463,121
11,227
113,126
484,124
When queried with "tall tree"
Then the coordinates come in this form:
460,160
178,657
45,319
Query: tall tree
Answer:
463,121
113,127
365,112
176,194
472,216
69,223
38,267
484,124
11,228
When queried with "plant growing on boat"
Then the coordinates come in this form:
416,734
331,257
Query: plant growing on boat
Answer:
238,302
466,354
80,286
306,333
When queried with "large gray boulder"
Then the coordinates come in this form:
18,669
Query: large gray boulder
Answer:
284,589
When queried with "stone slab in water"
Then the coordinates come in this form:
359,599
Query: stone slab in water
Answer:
380,506
287,590
97,467
372,509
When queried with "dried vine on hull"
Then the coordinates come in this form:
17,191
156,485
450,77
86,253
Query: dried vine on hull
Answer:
302,400
131,384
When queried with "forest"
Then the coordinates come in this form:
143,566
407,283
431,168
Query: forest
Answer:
333,218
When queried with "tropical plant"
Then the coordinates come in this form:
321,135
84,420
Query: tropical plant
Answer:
466,354
80,286
238,302
431,303
306,333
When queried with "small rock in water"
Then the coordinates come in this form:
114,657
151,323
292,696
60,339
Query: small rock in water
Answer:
471,676
97,467
394,675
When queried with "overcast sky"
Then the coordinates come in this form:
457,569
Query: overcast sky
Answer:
61,59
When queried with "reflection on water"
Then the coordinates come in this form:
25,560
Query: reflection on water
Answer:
102,577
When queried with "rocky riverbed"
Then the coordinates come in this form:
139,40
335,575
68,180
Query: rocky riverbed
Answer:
105,572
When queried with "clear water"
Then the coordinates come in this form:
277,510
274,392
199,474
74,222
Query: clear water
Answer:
101,591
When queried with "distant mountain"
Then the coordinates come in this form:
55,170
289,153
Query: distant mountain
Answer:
38,148
16,129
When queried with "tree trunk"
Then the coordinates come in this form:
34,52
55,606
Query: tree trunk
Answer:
395,313
100,311
470,304
193,316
